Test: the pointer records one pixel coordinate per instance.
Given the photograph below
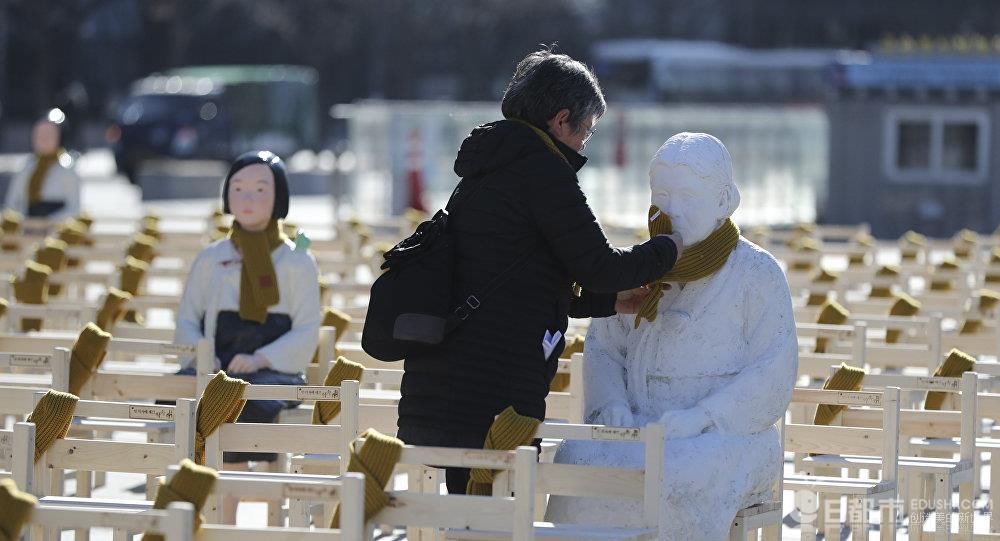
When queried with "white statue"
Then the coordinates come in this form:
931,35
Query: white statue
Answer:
716,366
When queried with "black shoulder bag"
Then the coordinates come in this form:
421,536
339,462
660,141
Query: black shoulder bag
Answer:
412,303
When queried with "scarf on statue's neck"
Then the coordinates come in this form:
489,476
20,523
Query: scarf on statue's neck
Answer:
698,261
258,282
43,162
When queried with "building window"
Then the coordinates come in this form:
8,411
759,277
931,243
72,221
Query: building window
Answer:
936,145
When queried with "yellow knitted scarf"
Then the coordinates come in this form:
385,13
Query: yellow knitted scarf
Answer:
32,288
884,272
15,509
52,254
191,483
133,273
221,402
143,248
822,276
258,281
43,162
325,411
73,232
52,416
508,431
988,300
332,318
561,381
957,363
905,306
87,355
698,261
10,222
945,284
113,308
377,458
846,378
832,313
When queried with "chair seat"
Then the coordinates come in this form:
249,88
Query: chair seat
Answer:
327,461
759,509
561,532
908,463
839,485
953,444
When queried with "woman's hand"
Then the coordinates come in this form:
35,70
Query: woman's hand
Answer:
629,301
247,364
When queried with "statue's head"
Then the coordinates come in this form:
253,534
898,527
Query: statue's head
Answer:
45,137
691,178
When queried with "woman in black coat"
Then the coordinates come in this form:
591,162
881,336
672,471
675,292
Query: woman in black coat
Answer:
520,197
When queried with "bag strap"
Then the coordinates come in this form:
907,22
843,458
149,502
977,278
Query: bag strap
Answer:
474,301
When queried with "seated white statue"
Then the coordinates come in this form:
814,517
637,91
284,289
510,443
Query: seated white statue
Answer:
716,365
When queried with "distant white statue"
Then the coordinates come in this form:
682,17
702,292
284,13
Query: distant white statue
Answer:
716,365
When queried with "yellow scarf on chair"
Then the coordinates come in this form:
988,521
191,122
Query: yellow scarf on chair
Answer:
376,459
885,272
192,484
325,411
258,281
87,355
905,306
832,313
52,416
221,402
957,363
32,288
698,261
15,508
508,431
561,381
846,378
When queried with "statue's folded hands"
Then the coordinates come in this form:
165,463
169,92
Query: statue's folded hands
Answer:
685,423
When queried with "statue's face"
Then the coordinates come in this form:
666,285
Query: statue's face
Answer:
45,138
251,196
696,205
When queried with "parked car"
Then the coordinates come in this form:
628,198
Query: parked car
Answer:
216,113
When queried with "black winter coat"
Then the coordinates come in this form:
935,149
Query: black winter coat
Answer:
529,200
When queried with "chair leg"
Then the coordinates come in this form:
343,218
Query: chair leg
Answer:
914,502
83,483
966,511
857,516
772,532
942,507
887,521
806,503
994,490
830,511
738,530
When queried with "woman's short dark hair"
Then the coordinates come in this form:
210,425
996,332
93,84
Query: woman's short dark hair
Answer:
544,83
277,167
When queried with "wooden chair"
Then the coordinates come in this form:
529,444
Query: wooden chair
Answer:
882,442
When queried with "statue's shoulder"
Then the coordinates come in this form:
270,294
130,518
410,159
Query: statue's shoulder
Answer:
757,259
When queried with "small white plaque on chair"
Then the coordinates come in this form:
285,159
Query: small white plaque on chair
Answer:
6,446
942,382
868,399
310,491
318,393
33,361
612,433
151,413
178,349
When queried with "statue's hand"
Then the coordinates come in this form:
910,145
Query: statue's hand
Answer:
680,424
617,414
